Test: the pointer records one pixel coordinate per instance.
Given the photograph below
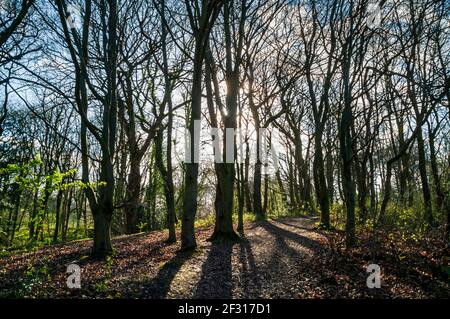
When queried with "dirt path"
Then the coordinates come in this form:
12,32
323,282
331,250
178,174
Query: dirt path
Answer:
286,258
277,259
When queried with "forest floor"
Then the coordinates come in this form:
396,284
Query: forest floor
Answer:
284,258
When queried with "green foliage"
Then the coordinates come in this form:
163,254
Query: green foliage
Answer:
142,226
409,221
27,180
34,278
321,226
103,285
204,222
337,216
24,176
4,253
283,211
246,217
210,220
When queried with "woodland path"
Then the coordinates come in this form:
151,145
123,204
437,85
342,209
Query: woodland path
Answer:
285,258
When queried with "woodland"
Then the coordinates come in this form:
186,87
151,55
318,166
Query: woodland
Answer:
225,148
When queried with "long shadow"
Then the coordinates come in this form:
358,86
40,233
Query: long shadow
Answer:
317,273
342,265
151,250
159,286
250,281
284,222
281,234
216,276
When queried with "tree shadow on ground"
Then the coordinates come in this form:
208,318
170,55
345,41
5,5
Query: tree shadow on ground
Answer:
287,222
151,251
324,267
293,265
281,234
250,281
216,274
159,286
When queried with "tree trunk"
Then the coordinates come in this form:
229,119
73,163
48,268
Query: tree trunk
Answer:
347,180
191,169
224,204
424,179
102,234
257,205
58,213
330,171
168,185
241,195
442,202
266,195
320,182
346,149
248,197
133,195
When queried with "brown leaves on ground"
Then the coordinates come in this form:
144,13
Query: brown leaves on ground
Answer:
286,258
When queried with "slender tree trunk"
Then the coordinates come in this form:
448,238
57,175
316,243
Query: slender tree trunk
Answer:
167,172
168,187
266,195
281,187
424,179
320,182
133,195
346,149
330,171
248,197
33,216
257,207
191,169
58,213
15,216
65,225
442,202
241,195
